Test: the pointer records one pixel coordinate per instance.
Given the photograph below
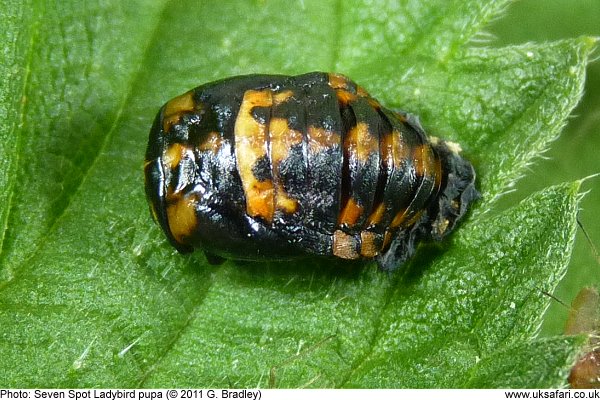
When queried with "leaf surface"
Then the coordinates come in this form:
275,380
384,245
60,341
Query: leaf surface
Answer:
92,295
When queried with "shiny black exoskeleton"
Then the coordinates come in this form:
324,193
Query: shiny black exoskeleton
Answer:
278,167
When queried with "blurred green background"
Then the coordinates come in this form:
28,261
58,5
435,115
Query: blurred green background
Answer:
576,153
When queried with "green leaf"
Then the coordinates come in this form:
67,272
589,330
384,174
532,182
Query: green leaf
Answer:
532,358
575,152
17,58
92,295
483,297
